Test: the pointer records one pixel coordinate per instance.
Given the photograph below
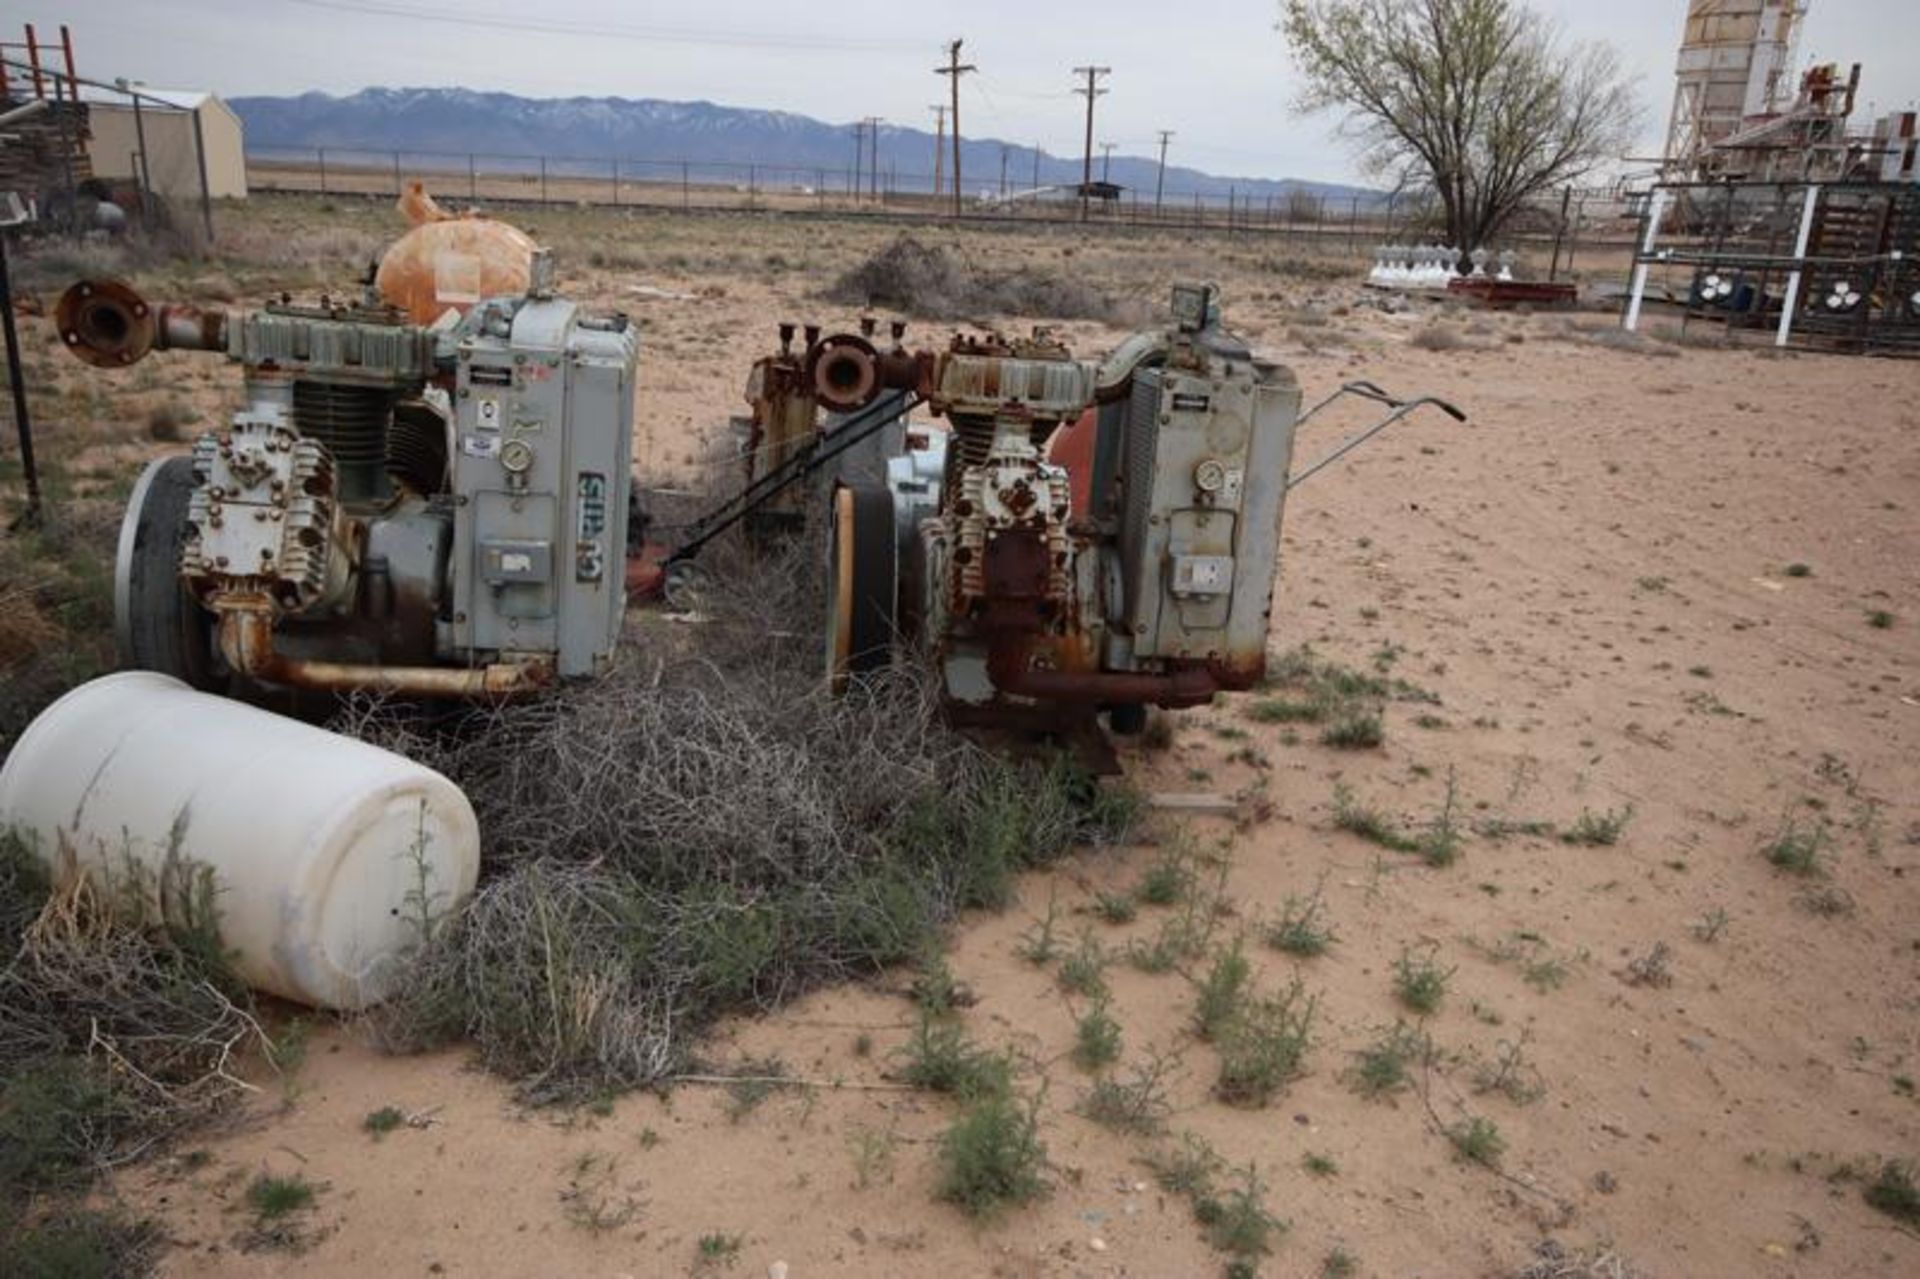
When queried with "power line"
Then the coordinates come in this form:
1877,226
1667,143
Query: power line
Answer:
611,31
1093,75
953,71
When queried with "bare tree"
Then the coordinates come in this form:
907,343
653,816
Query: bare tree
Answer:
1481,99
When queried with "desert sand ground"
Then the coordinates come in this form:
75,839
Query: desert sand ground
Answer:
1592,578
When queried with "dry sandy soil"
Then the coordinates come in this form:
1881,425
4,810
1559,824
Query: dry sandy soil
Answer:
1592,578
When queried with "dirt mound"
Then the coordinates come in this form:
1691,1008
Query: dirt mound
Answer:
935,283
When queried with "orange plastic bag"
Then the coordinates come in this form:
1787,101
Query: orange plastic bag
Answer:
447,262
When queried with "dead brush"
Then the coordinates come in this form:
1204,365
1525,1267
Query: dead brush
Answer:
118,1021
705,829
937,282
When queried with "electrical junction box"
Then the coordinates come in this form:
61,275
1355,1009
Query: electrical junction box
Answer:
541,471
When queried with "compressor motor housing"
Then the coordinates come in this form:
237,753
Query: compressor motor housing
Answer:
1083,537
426,510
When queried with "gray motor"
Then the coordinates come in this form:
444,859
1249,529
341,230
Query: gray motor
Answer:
432,511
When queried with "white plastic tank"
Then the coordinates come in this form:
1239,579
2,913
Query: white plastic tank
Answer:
323,849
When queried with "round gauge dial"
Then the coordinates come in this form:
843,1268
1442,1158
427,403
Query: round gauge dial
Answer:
516,456
1210,475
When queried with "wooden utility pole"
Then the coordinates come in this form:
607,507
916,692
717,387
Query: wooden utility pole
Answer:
1003,170
1160,182
953,71
859,156
939,145
1091,91
873,169
1106,159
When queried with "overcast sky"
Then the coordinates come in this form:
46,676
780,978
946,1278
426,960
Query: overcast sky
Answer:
1214,71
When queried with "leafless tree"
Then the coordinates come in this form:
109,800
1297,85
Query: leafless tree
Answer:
1484,100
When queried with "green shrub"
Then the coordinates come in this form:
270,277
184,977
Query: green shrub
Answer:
1237,1220
1420,981
1265,1047
1798,849
1478,1140
1381,1068
78,1243
1893,1192
273,1197
1223,992
1096,1038
939,1059
1301,930
991,1156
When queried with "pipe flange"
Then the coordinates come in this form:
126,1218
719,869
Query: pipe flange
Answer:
844,372
105,323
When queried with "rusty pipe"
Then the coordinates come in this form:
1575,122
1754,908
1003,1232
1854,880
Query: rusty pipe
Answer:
246,641
1192,686
106,323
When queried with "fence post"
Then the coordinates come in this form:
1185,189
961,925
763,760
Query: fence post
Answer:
543,179
616,184
1573,232
320,153
1353,222
753,181
206,191
473,180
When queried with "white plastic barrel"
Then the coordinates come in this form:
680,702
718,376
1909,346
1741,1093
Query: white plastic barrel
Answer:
322,849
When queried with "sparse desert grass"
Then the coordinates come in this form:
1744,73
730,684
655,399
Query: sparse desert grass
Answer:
1084,971
1598,829
1302,929
1384,1066
1419,980
1511,1072
1138,1102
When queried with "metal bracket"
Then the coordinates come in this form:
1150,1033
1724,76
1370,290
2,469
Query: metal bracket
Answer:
1367,391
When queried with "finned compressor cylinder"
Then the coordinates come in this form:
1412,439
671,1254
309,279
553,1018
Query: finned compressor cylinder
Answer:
327,854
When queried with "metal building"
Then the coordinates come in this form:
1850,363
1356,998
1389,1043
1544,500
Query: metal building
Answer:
190,136
1736,62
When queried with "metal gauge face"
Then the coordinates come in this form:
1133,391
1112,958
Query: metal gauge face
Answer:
516,456
1210,475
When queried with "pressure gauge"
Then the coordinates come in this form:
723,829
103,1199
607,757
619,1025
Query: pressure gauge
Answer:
1210,475
516,457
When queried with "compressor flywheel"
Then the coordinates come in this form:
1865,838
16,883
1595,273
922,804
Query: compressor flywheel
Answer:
861,583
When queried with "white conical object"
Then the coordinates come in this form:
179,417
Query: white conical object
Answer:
324,851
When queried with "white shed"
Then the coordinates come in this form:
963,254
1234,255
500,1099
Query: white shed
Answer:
183,129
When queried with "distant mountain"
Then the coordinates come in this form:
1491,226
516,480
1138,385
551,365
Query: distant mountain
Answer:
459,121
